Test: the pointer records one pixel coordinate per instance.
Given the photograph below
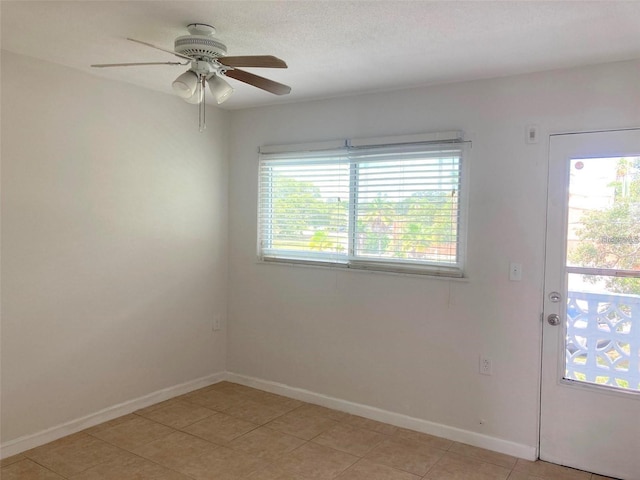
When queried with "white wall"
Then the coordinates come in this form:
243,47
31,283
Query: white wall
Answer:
407,344
114,243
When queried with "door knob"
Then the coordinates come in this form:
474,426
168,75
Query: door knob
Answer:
553,319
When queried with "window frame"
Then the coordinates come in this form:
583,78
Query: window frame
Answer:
349,260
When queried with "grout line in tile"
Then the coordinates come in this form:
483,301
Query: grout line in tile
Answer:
78,473
153,461
45,467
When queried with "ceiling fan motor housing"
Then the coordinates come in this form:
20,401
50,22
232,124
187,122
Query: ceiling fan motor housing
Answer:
202,47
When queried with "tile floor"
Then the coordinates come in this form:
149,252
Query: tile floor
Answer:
232,432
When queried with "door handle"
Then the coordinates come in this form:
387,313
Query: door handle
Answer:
553,319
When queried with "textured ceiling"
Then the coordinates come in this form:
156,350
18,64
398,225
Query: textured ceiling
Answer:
333,48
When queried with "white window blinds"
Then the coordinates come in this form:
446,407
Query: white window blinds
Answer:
390,207
304,206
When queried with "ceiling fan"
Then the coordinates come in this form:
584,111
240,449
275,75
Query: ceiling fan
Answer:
209,63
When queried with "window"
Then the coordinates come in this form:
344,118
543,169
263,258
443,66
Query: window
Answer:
381,205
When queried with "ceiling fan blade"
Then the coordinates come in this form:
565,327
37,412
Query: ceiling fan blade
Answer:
258,81
186,57
266,61
103,65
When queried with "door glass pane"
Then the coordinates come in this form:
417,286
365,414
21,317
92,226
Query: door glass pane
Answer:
604,214
603,272
603,339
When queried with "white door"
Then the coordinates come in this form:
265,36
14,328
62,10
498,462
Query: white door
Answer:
590,405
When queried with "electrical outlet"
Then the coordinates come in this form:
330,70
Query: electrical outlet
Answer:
485,366
217,322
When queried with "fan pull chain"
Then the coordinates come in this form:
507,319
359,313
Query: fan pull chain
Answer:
201,106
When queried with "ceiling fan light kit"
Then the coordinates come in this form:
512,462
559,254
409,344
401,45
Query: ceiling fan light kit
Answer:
197,97
185,85
220,89
209,63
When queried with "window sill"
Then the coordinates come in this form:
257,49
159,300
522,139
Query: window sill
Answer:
426,276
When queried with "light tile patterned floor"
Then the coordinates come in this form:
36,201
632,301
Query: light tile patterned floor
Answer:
232,432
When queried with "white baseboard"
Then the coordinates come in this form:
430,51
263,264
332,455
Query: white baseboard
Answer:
27,442
13,447
527,452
